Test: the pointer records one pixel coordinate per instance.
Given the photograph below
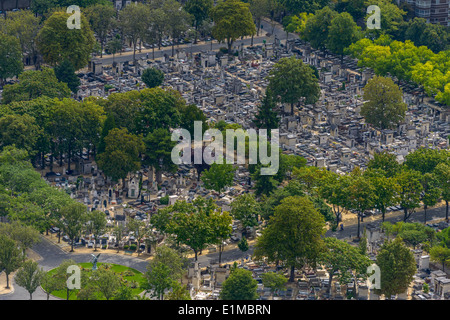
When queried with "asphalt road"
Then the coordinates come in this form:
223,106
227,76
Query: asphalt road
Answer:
52,256
195,48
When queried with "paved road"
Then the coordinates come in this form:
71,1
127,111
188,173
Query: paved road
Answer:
278,31
350,231
52,256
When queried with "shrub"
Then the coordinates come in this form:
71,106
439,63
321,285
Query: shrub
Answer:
164,200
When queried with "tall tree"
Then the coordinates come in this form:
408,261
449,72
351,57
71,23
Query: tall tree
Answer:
121,154
342,32
442,172
410,188
134,21
232,20
240,285
102,20
10,58
267,117
317,27
152,77
97,222
34,84
246,209
23,25
20,130
384,107
290,80
440,254
159,147
29,276
343,261
178,20
65,72
10,256
73,218
200,10
397,268
56,42
219,176
293,234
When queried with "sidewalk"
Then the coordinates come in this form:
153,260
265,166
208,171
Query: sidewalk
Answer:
3,290
351,219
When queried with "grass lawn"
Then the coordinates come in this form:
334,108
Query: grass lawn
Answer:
128,274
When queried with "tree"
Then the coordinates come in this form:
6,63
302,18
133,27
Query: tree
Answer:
152,77
264,184
33,84
114,45
191,223
293,234
159,279
29,276
65,72
25,236
56,42
259,9
232,20
139,229
334,188
159,147
290,80
440,254
387,162
101,19
219,176
274,281
107,282
442,172
134,21
240,285
19,130
121,154
10,257
385,190
317,27
425,160
97,221
243,244
23,25
200,10
220,226
361,196
341,260
384,107
431,192
267,117
392,17
178,292
189,114
397,267
342,32
246,209
50,283
171,258
62,276
178,20
10,57
73,218
410,188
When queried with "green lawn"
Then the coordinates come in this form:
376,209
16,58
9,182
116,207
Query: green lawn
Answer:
128,274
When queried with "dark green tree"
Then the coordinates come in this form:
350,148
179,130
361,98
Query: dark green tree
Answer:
65,72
